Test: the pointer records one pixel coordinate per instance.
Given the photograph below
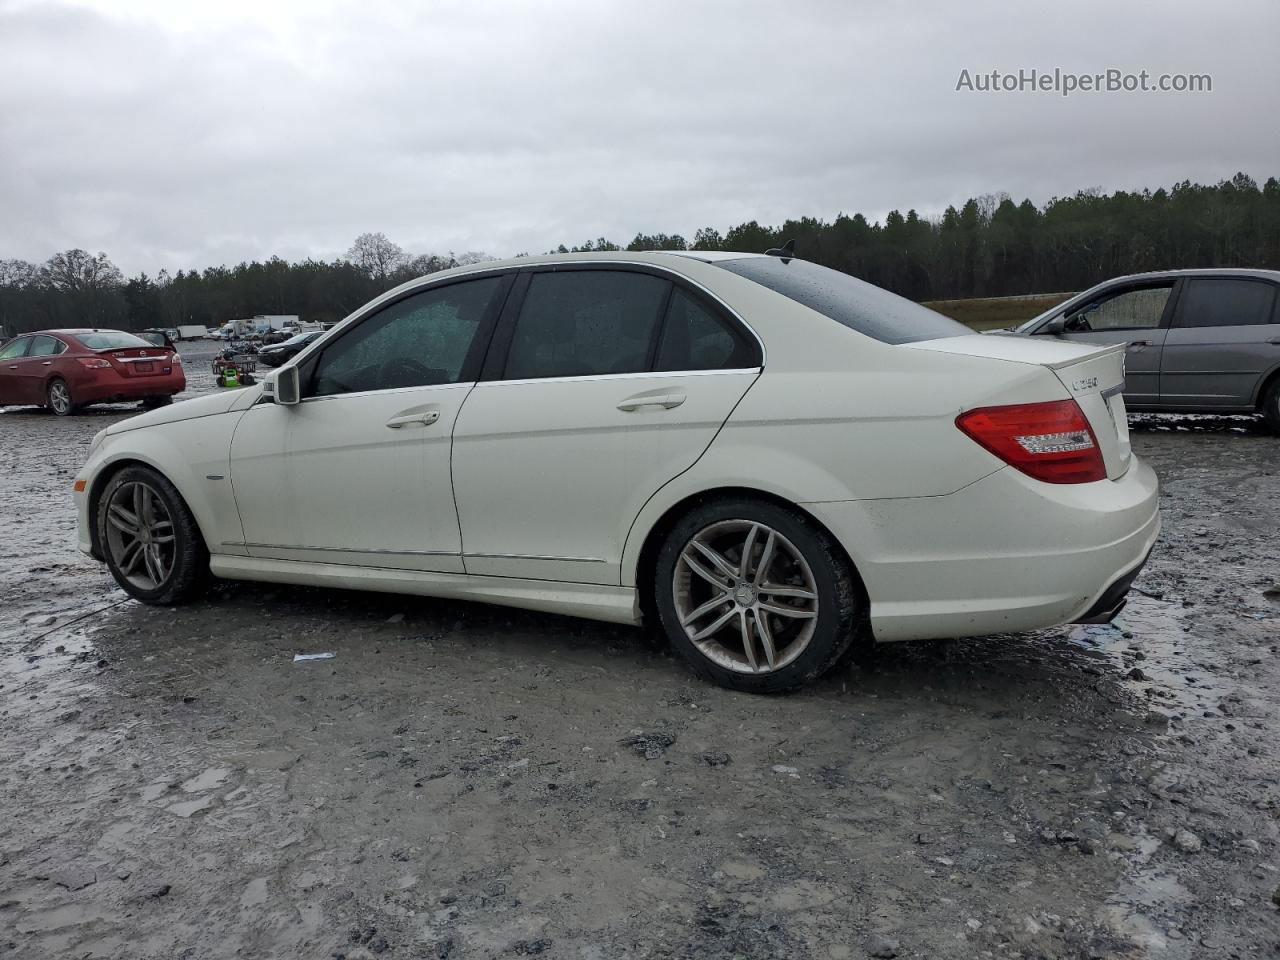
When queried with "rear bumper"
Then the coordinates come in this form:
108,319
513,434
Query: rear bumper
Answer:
1007,553
108,386
1114,597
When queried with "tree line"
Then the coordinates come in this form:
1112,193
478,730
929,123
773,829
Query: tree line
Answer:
988,247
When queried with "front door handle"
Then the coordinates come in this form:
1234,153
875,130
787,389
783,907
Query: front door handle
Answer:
665,400
426,419
1274,341
1139,344
47,363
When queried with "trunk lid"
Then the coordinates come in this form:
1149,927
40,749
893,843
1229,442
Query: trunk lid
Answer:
1092,375
131,362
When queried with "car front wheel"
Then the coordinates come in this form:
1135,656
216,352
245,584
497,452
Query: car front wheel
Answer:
151,542
755,597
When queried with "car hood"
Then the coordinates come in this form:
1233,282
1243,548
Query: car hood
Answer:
185,410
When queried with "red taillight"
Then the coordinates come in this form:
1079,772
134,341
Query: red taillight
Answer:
1050,441
94,363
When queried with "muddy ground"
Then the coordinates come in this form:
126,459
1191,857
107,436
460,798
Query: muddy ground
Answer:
467,781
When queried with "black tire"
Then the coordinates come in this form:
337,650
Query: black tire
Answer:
1271,405
188,571
151,403
840,607
57,397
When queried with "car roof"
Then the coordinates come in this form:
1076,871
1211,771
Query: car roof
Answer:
658,257
1198,272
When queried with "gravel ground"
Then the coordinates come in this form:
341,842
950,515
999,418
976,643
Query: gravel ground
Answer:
468,781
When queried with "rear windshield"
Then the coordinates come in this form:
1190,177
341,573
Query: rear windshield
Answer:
110,340
847,300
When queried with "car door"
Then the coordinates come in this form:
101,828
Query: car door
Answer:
358,471
602,385
1224,339
36,367
1137,316
11,380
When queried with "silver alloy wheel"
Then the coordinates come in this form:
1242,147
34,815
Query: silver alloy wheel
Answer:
746,597
140,535
59,397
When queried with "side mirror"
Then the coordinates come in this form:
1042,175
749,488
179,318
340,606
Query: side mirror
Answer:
287,389
1054,327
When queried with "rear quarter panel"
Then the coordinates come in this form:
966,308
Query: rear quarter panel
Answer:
837,416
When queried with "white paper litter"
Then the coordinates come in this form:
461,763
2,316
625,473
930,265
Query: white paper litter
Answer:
299,657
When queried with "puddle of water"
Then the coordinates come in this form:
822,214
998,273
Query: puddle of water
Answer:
1159,645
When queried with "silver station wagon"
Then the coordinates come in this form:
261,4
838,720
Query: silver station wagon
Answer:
1196,341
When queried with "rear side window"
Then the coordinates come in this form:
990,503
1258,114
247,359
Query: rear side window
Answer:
584,323
856,304
1225,303
694,338
15,349
45,347
110,340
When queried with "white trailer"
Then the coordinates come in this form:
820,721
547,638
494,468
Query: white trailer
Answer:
275,321
191,331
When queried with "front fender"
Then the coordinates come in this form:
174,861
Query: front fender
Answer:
194,455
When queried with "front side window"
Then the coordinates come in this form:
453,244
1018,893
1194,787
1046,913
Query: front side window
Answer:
694,338
585,322
15,349
420,341
1130,310
1225,303
45,347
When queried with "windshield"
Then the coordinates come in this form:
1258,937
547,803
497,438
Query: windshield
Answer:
110,340
856,304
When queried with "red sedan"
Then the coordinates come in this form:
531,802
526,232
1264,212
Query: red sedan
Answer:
67,369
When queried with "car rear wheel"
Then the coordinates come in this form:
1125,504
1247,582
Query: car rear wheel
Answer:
58,397
152,544
150,403
754,596
1271,405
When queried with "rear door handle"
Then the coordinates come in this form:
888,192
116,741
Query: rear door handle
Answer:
1275,341
665,400
426,419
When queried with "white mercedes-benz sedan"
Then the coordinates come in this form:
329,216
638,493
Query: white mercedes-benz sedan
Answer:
772,460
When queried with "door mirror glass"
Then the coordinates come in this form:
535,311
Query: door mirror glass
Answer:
1054,327
286,386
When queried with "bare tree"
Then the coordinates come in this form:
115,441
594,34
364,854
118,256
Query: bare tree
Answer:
377,256
78,271
470,257
84,278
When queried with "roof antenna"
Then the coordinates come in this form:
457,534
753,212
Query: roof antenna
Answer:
786,251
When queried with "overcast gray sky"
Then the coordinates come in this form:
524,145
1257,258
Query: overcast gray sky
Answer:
173,136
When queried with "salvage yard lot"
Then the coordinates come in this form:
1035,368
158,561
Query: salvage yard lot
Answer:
469,781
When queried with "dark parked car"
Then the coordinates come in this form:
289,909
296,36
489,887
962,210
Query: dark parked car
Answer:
281,353
67,369
1197,341
158,337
